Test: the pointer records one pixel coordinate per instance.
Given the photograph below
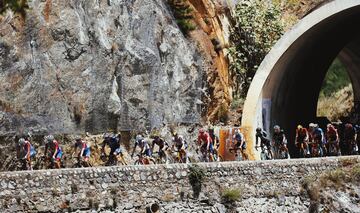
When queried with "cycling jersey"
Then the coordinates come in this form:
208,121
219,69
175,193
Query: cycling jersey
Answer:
239,138
160,142
349,133
205,141
180,143
57,150
318,135
302,135
113,143
29,149
279,138
83,146
263,138
145,148
332,134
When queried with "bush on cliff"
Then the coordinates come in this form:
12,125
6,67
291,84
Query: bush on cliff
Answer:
17,6
182,13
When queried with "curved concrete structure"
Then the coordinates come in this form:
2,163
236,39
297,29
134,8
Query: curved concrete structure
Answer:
286,86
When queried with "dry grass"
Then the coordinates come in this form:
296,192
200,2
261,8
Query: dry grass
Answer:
337,105
231,195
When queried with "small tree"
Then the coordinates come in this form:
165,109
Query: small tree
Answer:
256,27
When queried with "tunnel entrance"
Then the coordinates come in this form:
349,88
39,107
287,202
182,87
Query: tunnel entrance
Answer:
286,87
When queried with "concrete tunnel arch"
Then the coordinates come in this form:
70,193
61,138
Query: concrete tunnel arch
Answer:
286,86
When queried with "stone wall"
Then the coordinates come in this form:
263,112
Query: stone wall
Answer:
271,185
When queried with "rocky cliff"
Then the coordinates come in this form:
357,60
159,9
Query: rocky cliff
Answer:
96,65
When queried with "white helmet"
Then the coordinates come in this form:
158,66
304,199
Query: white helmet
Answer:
21,141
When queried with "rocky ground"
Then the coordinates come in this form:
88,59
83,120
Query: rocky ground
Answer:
335,191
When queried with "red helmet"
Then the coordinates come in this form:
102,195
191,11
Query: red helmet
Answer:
348,126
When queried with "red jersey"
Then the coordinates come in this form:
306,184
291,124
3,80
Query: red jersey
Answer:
204,137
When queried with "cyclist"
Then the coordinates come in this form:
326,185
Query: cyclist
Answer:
240,143
113,141
144,146
84,153
206,145
332,138
280,141
349,138
215,142
29,152
317,136
53,150
180,144
264,141
302,139
162,144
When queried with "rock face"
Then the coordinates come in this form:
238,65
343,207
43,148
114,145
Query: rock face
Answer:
96,65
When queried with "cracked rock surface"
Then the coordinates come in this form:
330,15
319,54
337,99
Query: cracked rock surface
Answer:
96,65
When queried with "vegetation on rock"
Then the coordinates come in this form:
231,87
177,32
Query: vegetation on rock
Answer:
196,177
257,26
323,189
231,195
182,13
17,6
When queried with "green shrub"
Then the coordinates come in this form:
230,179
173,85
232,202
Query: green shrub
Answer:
231,195
256,28
196,177
334,178
182,13
237,103
17,6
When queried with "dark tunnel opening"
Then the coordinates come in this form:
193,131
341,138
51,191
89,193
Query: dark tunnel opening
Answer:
295,82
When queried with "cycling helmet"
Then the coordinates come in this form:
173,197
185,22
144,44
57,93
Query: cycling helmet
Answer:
258,129
329,126
21,141
312,125
237,131
50,138
348,126
139,137
276,127
174,133
299,127
27,135
77,138
106,135
201,130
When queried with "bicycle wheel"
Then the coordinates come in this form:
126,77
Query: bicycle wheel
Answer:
152,161
263,156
